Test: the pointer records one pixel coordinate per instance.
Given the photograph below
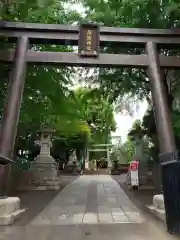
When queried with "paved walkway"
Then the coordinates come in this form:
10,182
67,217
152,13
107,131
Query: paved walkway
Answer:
92,207
90,200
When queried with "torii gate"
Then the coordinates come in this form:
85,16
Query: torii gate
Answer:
90,37
104,148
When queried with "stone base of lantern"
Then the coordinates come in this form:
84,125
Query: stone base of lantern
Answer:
45,174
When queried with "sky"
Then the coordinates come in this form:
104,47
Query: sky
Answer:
124,121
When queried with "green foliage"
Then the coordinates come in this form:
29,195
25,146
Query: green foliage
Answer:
48,100
119,154
98,113
128,149
138,137
46,94
38,11
117,83
139,14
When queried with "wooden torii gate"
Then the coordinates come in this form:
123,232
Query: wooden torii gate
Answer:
91,38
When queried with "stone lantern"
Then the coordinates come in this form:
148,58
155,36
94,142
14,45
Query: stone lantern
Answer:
45,169
45,144
137,136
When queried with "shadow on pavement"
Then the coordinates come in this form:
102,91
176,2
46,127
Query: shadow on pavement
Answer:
36,201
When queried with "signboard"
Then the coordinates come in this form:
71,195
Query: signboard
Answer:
134,168
89,40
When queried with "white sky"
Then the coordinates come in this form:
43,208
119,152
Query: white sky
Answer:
124,121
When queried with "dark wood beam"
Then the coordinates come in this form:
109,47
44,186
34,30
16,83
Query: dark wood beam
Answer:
68,34
104,60
75,29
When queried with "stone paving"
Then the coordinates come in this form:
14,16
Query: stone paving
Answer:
92,207
90,200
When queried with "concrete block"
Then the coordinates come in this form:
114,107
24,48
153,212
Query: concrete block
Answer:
158,208
117,211
90,218
41,188
50,183
104,209
135,217
48,187
158,201
55,187
45,175
78,218
8,219
9,205
105,218
159,213
9,210
120,218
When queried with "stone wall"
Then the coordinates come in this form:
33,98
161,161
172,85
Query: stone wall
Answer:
20,178
39,177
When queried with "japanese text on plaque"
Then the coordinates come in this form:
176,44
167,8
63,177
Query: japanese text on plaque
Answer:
89,40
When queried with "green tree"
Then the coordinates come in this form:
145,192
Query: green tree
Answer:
45,103
46,96
98,113
133,83
119,154
140,14
128,148
93,124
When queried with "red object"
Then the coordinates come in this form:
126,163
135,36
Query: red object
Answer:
134,165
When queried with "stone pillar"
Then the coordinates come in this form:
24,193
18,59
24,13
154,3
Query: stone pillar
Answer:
9,206
45,169
109,161
161,111
87,160
169,156
9,121
139,156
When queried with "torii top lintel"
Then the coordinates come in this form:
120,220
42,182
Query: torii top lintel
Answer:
68,34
